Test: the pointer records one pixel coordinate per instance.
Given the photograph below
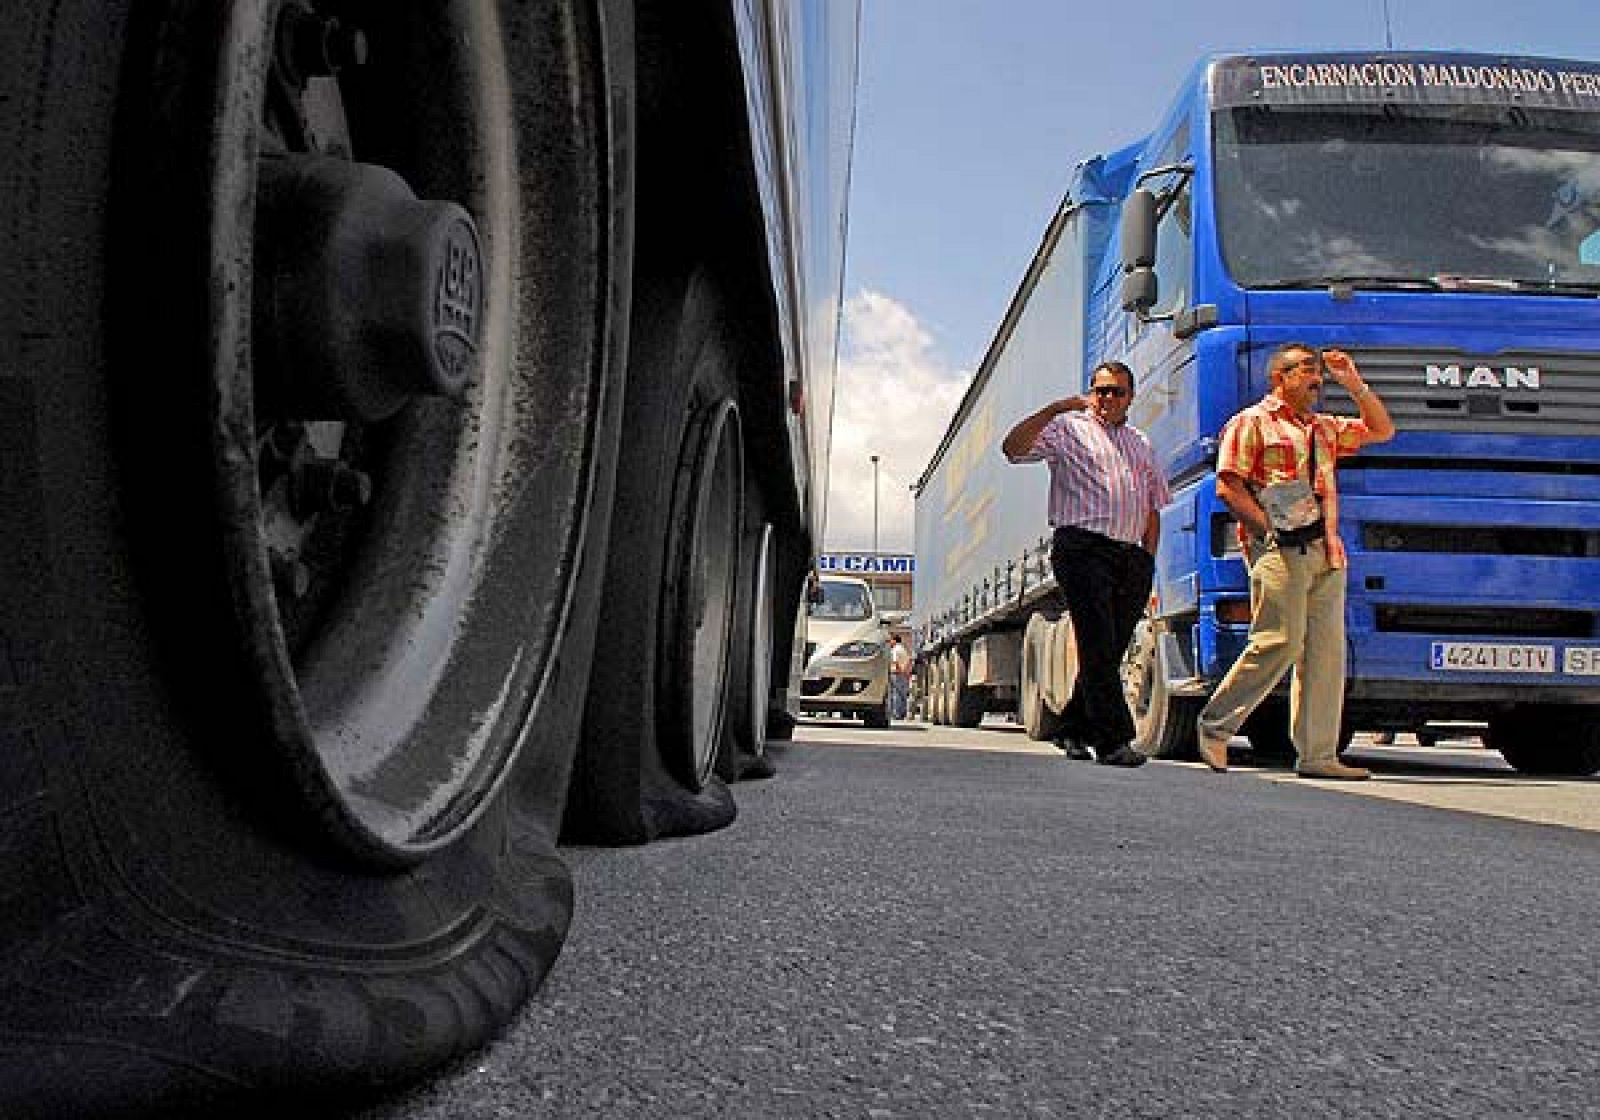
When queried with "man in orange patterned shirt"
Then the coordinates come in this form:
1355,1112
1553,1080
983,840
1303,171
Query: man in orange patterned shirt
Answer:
1275,471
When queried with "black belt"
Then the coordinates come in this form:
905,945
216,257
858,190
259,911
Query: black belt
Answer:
1093,537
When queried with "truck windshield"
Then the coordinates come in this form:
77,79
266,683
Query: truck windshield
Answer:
846,602
1410,197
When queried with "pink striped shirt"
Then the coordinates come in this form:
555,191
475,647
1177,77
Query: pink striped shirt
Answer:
1102,478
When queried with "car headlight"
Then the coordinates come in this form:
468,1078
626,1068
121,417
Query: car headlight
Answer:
859,650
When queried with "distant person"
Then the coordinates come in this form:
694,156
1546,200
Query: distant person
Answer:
1106,491
899,677
1275,471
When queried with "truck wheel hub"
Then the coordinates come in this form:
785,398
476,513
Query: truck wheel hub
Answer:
365,295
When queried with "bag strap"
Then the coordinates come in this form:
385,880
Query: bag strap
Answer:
1311,434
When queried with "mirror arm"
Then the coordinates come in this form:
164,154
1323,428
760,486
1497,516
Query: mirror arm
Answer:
1184,171
1144,316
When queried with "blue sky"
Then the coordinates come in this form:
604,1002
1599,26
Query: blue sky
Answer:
971,116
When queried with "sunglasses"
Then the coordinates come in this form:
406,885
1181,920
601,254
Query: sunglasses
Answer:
1108,390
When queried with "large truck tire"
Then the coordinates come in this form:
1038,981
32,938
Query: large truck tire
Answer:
790,643
1039,720
291,681
1061,670
967,702
1547,741
657,712
1164,724
933,674
1267,729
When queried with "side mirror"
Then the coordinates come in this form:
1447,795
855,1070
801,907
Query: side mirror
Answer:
1139,231
1139,285
1139,290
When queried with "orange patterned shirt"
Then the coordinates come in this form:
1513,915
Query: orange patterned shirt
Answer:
1268,443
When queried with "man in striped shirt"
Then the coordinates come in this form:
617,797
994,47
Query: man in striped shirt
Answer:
1279,447
1106,491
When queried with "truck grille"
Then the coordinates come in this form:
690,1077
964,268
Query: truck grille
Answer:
1494,399
1493,621
1480,540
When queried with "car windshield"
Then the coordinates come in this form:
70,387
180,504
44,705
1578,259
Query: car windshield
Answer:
846,602
1433,197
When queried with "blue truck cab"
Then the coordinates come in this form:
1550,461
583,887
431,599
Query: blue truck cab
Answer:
1437,216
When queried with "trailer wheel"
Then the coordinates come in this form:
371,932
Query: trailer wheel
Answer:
943,690
955,671
745,747
1060,671
1547,741
658,702
967,702
1267,728
1164,724
1039,720
295,629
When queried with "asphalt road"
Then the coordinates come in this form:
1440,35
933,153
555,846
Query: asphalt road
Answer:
934,923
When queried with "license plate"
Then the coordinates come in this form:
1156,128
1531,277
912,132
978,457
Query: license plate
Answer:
1581,661
1493,657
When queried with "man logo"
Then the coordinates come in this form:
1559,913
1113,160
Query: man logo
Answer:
1482,377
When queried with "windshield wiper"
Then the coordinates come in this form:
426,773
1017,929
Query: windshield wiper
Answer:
1335,282
1503,284
1439,282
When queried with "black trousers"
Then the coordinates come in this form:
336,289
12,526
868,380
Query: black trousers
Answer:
1106,584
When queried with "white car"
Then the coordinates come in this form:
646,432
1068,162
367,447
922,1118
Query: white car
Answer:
847,653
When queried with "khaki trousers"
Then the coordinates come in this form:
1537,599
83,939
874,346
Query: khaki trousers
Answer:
1296,622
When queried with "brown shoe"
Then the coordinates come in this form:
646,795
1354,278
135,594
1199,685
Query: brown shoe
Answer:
1334,770
1213,751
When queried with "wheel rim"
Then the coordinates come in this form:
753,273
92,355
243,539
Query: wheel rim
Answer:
1062,675
1032,717
702,594
367,520
944,688
760,677
1138,673
955,669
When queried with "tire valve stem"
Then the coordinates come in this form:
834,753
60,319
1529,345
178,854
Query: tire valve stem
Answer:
289,575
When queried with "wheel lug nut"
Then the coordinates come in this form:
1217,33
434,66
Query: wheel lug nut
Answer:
313,46
346,46
284,441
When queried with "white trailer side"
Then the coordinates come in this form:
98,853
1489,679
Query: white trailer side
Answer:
982,538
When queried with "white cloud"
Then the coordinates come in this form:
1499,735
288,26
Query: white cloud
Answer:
893,399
